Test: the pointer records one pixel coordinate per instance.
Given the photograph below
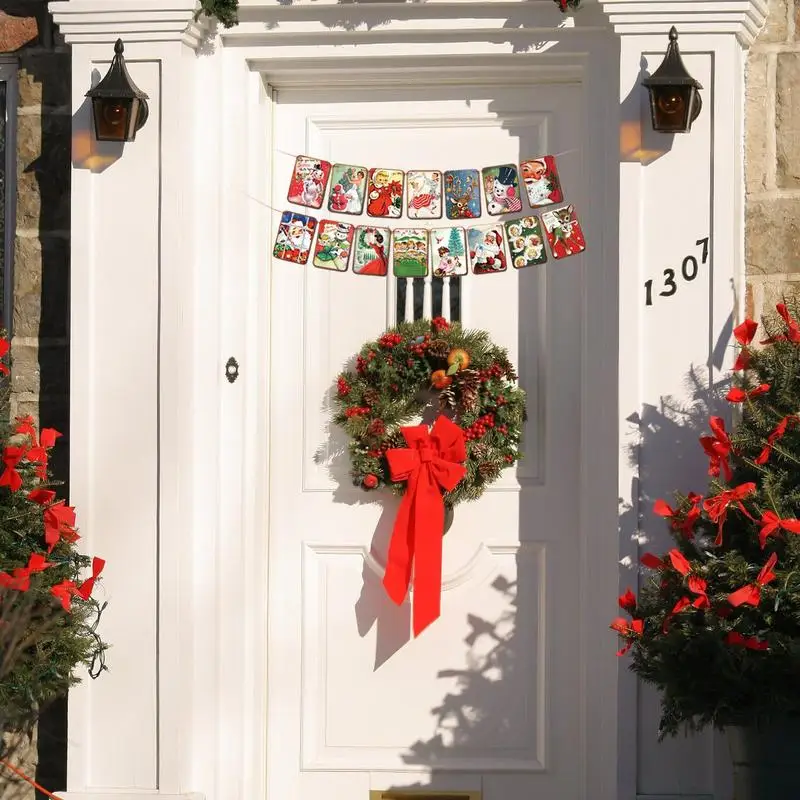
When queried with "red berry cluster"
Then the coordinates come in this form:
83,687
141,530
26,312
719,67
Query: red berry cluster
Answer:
509,459
377,427
495,371
440,324
362,363
355,411
419,348
389,340
479,427
501,400
343,387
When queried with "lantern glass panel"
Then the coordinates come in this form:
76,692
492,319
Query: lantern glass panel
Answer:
112,118
672,107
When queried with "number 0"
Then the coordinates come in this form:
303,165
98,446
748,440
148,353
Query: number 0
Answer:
689,273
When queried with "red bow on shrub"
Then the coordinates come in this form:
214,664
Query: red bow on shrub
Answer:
792,329
751,594
431,464
771,524
717,507
718,448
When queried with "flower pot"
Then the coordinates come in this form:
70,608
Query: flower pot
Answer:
765,761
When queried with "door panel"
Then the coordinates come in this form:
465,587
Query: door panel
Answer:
488,698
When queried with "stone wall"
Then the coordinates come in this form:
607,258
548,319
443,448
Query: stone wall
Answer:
772,141
40,324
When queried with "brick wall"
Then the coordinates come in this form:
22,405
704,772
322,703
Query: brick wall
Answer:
40,325
772,142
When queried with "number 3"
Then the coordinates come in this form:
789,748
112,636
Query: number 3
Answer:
669,283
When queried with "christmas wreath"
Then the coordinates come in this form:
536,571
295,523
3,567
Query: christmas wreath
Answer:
397,376
475,436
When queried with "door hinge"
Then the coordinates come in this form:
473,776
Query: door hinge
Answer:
232,369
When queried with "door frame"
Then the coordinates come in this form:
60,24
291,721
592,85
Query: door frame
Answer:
244,249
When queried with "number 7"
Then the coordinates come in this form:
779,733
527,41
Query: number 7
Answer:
704,242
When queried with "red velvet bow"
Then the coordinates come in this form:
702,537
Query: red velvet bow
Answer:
685,525
4,348
751,594
59,523
20,579
793,330
718,448
628,631
737,395
431,464
679,561
750,642
777,433
745,332
771,524
717,507
85,589
10,476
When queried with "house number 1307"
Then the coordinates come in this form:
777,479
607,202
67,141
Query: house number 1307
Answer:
689,271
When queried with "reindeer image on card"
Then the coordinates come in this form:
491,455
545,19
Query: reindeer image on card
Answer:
385,194
424,191
541,180
525,242
295,232
462,194
448,252
308,182
564,234
486,252
410,252
371,251
334,241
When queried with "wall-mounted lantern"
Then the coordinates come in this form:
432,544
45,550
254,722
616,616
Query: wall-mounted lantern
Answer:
674,94
119,106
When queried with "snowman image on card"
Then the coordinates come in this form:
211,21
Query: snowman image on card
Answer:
501,187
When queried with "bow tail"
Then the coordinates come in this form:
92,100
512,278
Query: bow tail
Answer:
397,577
428,526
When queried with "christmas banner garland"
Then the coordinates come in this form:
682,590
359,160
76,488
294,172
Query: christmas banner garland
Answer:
428,195
474,438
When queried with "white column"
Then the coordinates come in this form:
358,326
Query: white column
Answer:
140,347
427,296
446,298
409,310
680,275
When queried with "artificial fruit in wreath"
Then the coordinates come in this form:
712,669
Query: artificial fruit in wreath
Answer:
440,379
457,359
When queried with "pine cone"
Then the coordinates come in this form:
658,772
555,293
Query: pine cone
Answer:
488,470
507,367
447,398
371,397
480,451
438,348
468,383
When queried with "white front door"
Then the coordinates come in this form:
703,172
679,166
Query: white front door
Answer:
488,699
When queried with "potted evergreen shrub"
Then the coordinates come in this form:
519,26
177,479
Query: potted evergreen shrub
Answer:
716,625
48,616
